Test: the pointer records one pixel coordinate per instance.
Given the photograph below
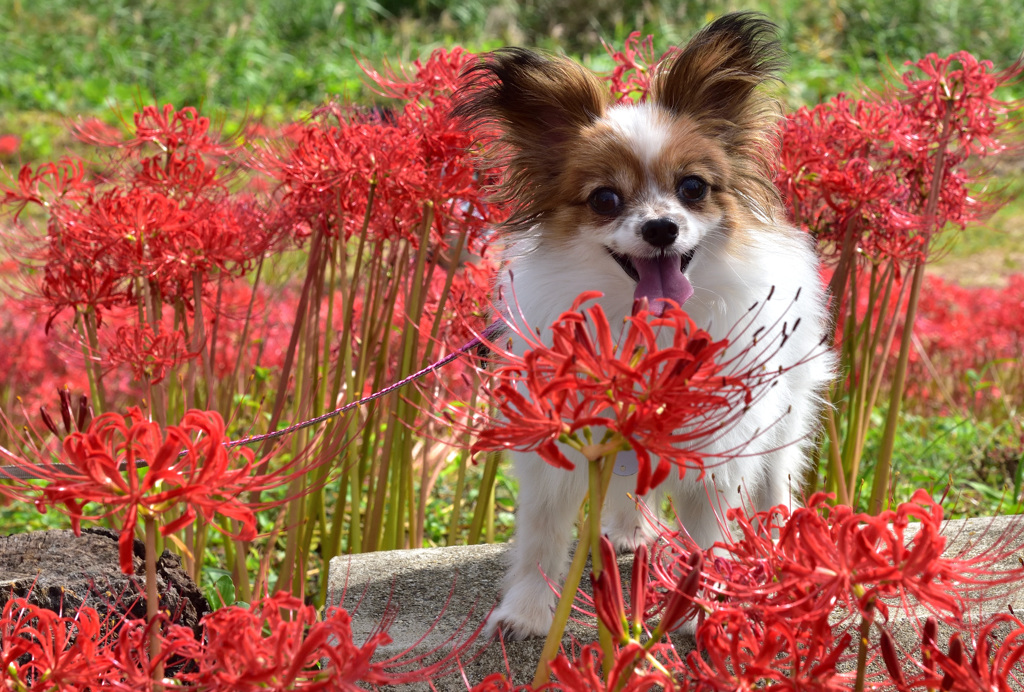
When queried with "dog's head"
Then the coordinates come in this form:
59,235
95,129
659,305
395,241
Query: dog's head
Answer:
648,181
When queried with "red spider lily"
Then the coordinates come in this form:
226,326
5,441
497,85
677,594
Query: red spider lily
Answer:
660,401
630,79
280,643
349,169
741,653
435,78
681,600
870,185
127,658
965,86
163,216
64,179
967,329
38,366
148,355
9,145
997,663
826,556
583,673
167,129
72,420
41,650
608,594
99,466
779,600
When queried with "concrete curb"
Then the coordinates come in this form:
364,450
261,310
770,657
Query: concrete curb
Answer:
456,588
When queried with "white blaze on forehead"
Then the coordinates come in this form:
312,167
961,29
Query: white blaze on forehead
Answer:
643,125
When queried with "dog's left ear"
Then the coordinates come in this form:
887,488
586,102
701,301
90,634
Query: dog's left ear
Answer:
715,79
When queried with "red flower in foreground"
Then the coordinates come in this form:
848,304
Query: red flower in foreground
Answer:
584,672
188,470
819,560
996,665
656,401
43,651
280,643
743,653
40,650
276,645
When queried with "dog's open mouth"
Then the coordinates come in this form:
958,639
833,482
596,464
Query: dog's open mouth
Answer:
658,279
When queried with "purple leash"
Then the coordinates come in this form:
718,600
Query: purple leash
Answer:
488,335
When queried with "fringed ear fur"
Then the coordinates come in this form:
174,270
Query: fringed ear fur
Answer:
528,109
717,79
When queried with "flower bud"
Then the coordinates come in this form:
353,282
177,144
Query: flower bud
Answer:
681,604
48,421
639,588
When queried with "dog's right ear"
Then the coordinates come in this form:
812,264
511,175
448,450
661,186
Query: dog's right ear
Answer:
527,109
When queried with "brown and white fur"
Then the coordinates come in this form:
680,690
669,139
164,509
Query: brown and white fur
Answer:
599,189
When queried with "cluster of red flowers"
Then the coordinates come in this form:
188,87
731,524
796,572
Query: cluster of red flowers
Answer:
971,341
869,187
277,643
630,78
660,402
786,604
133,469
38,366
968,343
163,214
387,170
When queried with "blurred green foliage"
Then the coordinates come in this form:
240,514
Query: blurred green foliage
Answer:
71,56
976,464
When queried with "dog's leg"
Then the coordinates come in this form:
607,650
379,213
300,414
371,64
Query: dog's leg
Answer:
624,520
549,499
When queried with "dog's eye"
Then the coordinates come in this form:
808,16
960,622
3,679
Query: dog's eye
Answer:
692,189
605,201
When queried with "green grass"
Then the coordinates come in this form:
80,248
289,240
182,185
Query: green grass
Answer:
73,56
972,463
983,253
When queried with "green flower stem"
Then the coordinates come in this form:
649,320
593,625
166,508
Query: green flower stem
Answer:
879,493
564,608
835,462
597,491
152,598
862,647
484,498
590,535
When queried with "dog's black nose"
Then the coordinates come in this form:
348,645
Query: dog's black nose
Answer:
660,232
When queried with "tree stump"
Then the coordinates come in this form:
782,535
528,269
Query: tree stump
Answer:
61,572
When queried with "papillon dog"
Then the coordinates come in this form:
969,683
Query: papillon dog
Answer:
669,198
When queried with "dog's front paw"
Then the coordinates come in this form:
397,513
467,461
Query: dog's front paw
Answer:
687,628
623,542
520,621
627,539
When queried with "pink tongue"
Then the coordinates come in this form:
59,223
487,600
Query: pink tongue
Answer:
660,279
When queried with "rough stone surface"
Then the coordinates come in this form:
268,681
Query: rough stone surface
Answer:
455,588
60,572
